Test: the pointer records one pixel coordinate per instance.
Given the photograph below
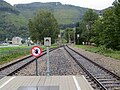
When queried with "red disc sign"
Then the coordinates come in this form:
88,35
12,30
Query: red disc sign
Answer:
36,51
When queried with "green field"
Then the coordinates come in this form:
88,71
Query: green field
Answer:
101,50
8,54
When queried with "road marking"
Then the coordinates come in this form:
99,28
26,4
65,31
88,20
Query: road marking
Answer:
6,82
76,83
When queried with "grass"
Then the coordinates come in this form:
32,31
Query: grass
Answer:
8,54
101,50
53,46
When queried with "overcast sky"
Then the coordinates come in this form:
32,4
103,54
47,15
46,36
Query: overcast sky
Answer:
94,4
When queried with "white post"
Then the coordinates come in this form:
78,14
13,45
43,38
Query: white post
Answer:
59,36
74,35
69,38
78,38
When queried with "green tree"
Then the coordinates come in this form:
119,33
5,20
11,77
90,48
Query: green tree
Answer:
43,25
69,34
81,30
104,30
116,10
109,38
85,28
98,32
107,31
89,18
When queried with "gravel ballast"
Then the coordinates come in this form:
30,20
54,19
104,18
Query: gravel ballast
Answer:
107,62
60,64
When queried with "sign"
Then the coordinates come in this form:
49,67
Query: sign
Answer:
47,41
36,51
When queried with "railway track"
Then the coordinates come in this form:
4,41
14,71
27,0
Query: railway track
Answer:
100,78
12,68
60,64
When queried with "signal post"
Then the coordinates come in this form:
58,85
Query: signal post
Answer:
36,51
47,43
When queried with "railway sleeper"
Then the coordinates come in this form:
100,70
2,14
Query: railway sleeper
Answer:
110,82
112,87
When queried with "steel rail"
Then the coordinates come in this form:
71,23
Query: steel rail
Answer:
88,72
20,60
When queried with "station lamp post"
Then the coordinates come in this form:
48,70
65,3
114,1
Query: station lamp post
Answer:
74,34
28,41
88,36
59,36
87,27
69,37
78,37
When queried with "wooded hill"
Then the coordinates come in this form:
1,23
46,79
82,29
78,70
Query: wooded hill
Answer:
65,14
12,22
14,19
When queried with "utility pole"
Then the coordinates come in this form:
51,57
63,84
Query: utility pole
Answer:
74,35
59,37
69,37
78,38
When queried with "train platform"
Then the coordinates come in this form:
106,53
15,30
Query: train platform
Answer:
44,83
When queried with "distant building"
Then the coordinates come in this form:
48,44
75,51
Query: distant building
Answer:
16,40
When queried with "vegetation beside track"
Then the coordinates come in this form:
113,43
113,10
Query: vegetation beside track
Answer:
100,50
8,54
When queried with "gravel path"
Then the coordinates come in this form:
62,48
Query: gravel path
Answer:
60,64
107,62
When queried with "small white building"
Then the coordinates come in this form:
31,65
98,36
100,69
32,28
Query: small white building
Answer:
17,40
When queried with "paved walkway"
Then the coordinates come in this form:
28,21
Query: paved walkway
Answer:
45,83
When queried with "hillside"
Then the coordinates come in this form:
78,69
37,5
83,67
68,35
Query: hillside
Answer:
65,14
14,19
12,23
4,6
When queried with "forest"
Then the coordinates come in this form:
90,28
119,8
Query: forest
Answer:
103,29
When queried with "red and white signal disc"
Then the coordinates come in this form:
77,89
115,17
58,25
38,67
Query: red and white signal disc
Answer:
36,51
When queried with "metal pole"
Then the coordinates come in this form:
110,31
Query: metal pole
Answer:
69,38
48,69
36,67
78,38
74,35
37,88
